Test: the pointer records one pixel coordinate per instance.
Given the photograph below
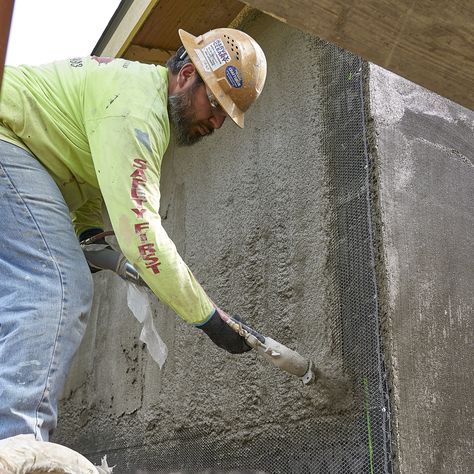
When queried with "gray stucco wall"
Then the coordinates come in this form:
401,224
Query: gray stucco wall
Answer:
250,212
424,152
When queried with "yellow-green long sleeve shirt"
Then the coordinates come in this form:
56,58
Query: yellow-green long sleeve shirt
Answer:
100,127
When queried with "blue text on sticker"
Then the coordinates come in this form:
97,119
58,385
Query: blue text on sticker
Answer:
233,76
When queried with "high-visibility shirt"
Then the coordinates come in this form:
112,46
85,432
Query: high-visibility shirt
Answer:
100,127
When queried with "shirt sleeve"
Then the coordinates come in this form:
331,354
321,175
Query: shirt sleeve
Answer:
88,216
127,156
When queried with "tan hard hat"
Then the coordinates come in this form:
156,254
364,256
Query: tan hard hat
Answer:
232,65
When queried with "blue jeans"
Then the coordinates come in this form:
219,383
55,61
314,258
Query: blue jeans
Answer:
45,295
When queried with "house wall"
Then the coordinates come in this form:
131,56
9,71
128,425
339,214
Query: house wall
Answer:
252,213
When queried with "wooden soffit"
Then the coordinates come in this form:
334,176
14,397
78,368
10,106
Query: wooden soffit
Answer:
430,42
148,31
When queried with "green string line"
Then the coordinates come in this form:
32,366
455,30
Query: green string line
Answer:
369,429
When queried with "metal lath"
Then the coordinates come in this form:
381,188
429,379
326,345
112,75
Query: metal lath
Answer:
345,144
354,442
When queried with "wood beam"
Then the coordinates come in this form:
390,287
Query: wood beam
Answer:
430,42
148,55
6,13
130,24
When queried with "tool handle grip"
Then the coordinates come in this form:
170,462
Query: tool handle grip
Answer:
283,357
276,353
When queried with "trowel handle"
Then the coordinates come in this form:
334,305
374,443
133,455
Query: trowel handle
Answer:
278,354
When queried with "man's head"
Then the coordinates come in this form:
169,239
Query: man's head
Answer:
215,75
192,109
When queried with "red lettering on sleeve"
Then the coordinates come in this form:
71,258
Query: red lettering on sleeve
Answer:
139,212
138,183
140,227
150,261
146,249
137,194
154,267
137,174
140,164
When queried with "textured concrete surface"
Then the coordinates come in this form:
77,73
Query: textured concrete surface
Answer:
424,154
248,212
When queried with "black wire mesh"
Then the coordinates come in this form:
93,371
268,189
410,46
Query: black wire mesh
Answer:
356,441
345,143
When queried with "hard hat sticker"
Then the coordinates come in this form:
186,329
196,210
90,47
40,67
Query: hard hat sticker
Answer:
233,77
213,56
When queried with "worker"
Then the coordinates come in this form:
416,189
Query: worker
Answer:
78,133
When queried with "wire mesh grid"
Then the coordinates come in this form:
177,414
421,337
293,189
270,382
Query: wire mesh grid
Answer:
355,442
345,143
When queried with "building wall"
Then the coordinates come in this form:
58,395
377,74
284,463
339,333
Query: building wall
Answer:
252,213
249,212
424,149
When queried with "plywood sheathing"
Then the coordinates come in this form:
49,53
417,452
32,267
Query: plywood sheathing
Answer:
158,35
428,42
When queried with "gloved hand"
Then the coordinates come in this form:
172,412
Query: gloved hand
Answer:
223,336
87,234
102,256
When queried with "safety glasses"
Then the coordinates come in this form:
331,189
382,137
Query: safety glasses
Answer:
216,107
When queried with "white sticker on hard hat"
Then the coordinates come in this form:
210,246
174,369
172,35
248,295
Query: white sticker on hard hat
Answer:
233,76
203,60
213,56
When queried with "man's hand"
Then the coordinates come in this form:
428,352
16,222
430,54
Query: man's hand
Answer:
223,336
87,234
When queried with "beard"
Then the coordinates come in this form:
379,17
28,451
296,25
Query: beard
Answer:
180,107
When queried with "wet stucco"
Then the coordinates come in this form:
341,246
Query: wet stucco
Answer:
251,213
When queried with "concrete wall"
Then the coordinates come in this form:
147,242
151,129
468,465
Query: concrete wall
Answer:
424,150
250,212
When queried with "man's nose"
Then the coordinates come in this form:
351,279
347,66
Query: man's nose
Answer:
217,120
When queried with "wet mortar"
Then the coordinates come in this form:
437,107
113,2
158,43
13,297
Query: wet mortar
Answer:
250,215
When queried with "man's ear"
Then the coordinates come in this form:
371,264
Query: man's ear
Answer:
186,75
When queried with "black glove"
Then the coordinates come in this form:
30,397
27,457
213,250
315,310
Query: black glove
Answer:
87,234
222,335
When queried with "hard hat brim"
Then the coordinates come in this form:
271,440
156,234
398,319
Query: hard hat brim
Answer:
190,43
